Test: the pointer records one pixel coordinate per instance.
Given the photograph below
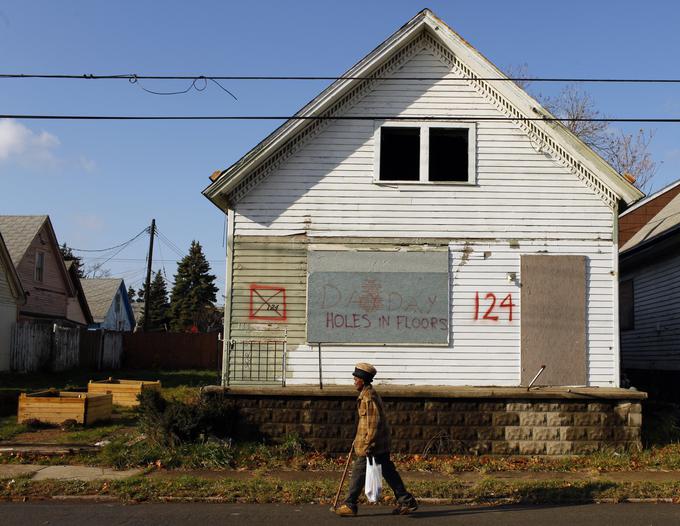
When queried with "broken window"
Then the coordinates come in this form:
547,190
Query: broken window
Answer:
400,154
448,154
425,152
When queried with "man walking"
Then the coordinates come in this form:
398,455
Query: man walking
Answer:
373,439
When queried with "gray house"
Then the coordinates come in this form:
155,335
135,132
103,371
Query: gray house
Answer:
650,293
109,304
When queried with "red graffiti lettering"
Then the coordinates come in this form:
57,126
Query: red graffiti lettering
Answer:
267,302
508,304
489,314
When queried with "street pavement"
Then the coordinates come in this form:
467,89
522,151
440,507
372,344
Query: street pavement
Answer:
171,514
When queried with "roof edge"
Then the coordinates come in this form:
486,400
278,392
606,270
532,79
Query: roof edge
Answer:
651,197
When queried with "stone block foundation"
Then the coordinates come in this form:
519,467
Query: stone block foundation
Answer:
466,420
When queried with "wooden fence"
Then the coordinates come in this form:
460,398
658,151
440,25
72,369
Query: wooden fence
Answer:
169,350
42,346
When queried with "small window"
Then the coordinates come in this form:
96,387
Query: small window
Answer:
626,305
400,154
448,154
118,305
442,152
39,266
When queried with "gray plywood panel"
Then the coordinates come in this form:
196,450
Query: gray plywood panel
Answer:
553,318
378,297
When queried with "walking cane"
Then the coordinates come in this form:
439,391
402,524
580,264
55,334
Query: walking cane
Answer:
342,480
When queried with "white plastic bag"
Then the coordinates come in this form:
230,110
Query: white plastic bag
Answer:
373,486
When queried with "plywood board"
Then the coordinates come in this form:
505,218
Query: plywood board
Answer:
553,326
378,297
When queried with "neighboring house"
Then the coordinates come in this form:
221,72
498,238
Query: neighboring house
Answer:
33,247
650,291
77,308
639,215
12,297
108,301
420,221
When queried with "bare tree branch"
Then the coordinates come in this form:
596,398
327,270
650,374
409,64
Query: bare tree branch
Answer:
627,153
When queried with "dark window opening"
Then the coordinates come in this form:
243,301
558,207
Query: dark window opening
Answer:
626,305
39,266
448,154
400,154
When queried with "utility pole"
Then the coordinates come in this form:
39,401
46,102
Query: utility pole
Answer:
152,234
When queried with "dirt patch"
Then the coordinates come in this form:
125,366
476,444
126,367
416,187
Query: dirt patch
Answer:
39,436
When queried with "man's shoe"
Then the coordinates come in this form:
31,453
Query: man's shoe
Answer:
405,509
345,511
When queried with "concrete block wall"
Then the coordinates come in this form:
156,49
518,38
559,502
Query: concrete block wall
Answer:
448,425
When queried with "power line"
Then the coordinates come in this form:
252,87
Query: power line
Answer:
120,249
169,243
155,259
111,248
195,84
131,77
334,118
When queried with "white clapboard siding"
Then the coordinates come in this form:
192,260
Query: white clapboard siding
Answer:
523,202
480,352
654,343
327,187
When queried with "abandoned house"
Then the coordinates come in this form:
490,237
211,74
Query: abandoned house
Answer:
433,219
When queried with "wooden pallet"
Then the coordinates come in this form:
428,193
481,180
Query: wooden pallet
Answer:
124,392
55,407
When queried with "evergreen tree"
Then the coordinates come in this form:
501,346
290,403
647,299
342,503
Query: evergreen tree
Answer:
158,304
194,292
68,255
131,294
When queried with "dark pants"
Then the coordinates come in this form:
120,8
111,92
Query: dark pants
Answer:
389,473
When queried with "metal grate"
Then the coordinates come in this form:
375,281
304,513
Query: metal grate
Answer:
256,362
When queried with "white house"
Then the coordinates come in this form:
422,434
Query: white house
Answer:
431,218
12,296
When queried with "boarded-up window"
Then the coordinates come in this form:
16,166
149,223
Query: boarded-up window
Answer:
378,297
626,305
553,326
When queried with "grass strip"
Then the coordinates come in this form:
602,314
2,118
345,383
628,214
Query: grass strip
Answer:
266,490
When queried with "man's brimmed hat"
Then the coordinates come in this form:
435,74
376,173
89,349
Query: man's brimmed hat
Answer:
365,371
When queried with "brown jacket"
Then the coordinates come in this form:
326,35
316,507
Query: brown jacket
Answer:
373,432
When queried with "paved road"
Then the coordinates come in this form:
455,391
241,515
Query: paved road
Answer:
201,514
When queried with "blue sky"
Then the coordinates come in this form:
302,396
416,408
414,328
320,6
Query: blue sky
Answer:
102,182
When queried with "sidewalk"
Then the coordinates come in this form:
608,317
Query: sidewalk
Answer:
84,473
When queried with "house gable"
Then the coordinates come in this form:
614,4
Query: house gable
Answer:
101,296
327,186
513,102
32,243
